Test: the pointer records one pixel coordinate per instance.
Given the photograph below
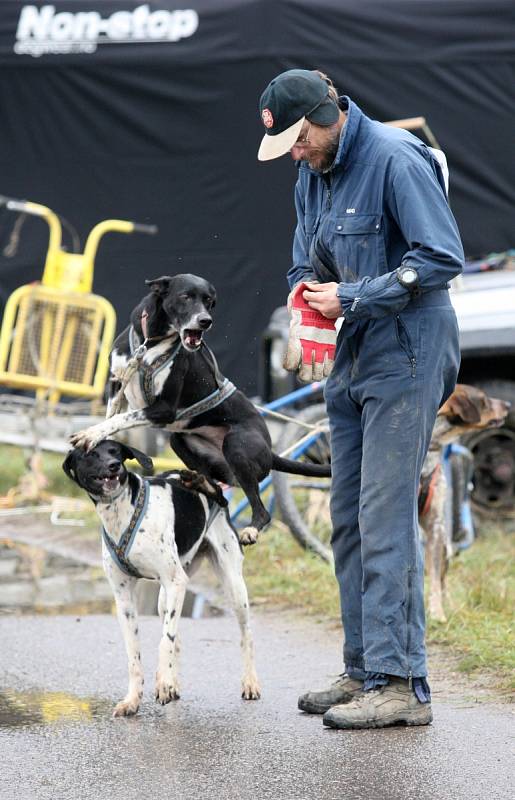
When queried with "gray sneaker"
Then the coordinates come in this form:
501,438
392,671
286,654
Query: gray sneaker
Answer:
342,690
394,704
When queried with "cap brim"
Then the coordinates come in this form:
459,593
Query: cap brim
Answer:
281,143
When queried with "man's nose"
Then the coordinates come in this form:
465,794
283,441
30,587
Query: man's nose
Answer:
296,152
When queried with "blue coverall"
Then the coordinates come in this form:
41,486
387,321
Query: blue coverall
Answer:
381,205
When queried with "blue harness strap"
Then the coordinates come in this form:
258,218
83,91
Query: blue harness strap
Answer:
211,401
120,551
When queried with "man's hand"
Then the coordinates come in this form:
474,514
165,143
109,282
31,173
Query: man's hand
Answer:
312,338
322,297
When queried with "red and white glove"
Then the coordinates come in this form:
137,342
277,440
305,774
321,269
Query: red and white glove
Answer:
312,339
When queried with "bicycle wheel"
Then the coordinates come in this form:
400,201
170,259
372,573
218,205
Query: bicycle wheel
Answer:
304,502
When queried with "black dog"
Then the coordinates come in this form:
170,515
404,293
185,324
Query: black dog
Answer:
215,429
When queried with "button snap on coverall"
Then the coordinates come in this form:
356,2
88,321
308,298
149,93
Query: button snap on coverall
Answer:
381,205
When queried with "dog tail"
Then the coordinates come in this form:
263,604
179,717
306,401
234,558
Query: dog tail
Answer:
300,468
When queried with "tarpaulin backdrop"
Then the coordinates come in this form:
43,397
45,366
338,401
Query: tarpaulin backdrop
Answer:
148,112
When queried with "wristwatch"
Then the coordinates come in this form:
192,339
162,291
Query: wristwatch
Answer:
408,278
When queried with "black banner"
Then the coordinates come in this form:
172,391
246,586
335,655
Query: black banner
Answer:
148,112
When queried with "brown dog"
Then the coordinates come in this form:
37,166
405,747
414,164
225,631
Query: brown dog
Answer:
467,409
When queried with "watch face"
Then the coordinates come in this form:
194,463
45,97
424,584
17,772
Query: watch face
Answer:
409,276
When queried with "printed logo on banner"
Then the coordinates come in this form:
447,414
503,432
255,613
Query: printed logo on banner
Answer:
44,29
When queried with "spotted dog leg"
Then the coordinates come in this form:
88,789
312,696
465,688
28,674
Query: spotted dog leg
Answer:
123,588
171,600
436,549
90,437
227,560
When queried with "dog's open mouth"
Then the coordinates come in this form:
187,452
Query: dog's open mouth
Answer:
192,338
110,483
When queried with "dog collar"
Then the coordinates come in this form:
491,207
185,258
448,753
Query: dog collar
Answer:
119,551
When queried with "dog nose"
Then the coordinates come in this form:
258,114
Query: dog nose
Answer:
204,321
113,466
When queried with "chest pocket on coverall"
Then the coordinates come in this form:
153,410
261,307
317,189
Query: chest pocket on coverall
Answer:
359,244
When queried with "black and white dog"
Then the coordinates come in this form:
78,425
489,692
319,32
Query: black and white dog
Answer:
215,429
159,529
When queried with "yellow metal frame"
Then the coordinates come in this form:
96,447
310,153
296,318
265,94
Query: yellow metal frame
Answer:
61,318
69,271
66,285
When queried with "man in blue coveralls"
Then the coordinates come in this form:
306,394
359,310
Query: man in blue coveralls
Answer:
376,244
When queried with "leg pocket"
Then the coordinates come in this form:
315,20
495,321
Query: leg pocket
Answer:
404,339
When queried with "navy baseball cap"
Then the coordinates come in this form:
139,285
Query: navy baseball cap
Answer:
287,101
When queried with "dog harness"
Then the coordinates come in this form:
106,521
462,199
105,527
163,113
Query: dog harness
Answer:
148,373
427,490
120,551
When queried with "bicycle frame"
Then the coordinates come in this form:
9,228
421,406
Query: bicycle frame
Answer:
466,519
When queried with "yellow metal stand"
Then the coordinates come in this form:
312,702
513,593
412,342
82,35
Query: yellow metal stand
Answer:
56,343
56,336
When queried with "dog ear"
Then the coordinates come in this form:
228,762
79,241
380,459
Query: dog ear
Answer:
461,405
69,465
159,286
131,452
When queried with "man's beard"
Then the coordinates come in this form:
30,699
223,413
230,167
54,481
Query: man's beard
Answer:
327,153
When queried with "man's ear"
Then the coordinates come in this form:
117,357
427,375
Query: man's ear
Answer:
131,452
69,465
159,286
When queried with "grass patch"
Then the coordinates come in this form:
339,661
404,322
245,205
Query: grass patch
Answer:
14,463
479,607
278,570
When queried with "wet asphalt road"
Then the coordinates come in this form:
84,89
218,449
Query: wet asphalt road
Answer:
60,677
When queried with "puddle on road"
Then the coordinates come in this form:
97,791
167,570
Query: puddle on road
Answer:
19,709
34,580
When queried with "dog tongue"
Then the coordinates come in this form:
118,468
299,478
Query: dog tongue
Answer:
193,339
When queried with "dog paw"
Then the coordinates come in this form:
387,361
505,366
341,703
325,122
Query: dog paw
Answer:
86,440
249,535
166,692
437,614
198,482
126,708
190,478
250,689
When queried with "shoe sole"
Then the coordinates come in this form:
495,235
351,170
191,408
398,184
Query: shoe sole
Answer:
417,718
310,707
313,708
